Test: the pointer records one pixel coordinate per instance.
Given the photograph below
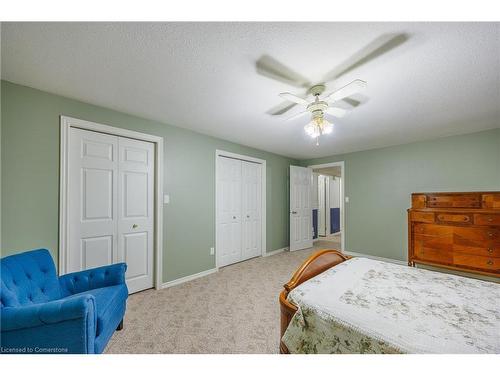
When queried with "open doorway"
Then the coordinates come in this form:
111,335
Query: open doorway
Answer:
328,205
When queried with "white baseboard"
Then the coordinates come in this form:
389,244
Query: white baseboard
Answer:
185,279
274,252
354,254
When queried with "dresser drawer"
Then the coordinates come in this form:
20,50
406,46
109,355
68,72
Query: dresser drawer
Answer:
487,219
454,218
491,201
426,252
433,230
473,261
458,233
423,217
487,250
466,200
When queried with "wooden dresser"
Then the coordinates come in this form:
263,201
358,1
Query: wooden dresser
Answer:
459,231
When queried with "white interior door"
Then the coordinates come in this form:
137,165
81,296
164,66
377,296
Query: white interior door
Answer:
251,209
93,176
110,197
328,186
322,206
136,211
300,208
228,211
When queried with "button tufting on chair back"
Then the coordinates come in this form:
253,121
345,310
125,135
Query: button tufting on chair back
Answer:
28,278
79,283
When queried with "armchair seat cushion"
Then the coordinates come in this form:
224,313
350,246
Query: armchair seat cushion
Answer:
106,301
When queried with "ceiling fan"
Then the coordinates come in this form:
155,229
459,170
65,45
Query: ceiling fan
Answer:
321,104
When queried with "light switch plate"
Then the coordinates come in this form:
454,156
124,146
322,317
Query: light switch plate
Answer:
166,199
347,199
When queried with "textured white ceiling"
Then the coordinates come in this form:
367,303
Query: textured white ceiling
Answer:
444,80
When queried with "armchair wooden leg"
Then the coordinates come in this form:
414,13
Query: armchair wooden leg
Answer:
120,326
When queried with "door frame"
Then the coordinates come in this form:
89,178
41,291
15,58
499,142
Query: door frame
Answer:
340,164
233,155
66,123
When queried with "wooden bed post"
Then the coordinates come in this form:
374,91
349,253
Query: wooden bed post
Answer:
312,266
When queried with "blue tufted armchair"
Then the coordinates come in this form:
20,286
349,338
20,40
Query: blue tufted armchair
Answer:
43,313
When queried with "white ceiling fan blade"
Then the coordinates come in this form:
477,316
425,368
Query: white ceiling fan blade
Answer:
281,108
297,115
272,68
337,112
350,89
293,98
376,48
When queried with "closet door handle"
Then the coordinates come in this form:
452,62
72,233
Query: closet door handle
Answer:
248,216
293,212
234,217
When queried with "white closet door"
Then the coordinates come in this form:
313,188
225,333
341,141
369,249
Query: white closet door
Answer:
300,208
251,209
110,197
228,211
136,212
92,200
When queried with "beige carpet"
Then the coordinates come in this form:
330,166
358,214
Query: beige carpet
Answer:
235,310
332,238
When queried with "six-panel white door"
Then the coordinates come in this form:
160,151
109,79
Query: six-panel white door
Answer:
300,208
251,209
110,197
92,200
135,211
228,211
322,213
239,210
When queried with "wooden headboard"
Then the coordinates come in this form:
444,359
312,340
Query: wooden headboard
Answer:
312,266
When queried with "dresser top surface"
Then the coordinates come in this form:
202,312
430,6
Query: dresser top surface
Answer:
457,210
455,192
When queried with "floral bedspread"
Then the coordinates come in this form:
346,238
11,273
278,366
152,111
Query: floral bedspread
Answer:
368,306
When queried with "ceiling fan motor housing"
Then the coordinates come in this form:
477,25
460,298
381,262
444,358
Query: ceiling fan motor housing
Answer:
317,90
317,107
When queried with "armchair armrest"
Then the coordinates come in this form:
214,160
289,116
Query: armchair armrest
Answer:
30,316
100,277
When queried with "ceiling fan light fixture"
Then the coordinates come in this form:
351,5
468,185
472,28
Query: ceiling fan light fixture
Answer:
312,129
327,127
318,126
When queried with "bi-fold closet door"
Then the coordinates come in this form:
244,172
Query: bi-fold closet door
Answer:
239,210
110,198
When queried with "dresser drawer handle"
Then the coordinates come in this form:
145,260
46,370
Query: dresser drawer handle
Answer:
490,234
490,219
490,250
489,262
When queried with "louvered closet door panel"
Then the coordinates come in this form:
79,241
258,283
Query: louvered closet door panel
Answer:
92,200
251,210
228,211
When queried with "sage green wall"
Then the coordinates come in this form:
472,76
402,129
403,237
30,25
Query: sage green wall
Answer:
379,183
30,179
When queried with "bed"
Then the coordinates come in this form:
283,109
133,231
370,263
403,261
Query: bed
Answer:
338,304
